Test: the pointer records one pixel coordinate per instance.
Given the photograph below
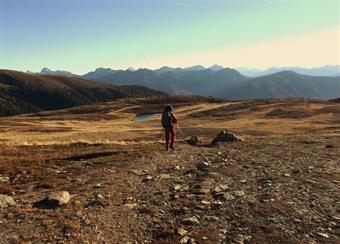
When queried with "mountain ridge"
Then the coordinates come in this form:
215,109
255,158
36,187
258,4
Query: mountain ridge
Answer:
22,93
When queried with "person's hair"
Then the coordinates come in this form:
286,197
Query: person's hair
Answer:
168,108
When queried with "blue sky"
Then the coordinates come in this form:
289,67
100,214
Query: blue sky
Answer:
80,35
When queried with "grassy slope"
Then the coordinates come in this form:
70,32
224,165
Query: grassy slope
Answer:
27,92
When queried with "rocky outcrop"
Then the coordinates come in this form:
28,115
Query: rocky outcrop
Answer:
225,136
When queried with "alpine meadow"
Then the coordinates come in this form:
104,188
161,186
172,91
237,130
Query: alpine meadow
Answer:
170,121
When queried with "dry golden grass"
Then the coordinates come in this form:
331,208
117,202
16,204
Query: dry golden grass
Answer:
275,117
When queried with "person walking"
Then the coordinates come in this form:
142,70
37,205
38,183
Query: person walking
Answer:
168,121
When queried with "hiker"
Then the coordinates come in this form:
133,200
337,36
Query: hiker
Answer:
168,121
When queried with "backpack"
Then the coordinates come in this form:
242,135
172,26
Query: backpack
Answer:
166,120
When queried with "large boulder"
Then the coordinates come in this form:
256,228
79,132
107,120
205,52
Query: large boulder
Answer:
53,200
6,201
225,136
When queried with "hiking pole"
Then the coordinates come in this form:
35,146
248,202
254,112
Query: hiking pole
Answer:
179,129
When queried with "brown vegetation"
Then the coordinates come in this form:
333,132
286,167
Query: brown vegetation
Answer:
279,185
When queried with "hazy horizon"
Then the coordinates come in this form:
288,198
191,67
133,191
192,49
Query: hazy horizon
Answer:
79,36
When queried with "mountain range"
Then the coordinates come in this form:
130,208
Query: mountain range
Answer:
23,93
225,82
328,70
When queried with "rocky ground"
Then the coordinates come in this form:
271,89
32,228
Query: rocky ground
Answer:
269,188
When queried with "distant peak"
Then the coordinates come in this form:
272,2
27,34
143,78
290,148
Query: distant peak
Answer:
216,67
103,69
45,70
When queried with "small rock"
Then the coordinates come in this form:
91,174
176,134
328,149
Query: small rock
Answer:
204,238
202,166
217,204
4,179
177,187
6,201
97,185
182,231
96,203
130,205
228,197
324,235
193,141
329,146
100,196
311,182
61,196
286,175
205,202
212,218
139,172
190,221
53,200
221,188
164,176
185,239
239,193
147,178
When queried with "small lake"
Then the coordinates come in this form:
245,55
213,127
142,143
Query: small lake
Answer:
141,117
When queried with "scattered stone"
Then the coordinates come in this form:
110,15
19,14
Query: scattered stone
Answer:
239,193
99,196
204,238
131,205
324,235
182,231
202,166
329,146
97,185
4,179
217,204
313,182
193,141
6,201
221,188
53,200
138,172
243,181
286,175
205,202
148,178
164,176
190,221
225,136
228,197
212,218
96,203
187,239
177,187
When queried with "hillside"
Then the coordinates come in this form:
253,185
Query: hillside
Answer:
283,84
23,93
177,81
337,100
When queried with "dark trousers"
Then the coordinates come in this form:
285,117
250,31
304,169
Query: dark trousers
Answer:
170,135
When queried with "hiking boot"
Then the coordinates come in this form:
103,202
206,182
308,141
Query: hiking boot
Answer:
172,148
